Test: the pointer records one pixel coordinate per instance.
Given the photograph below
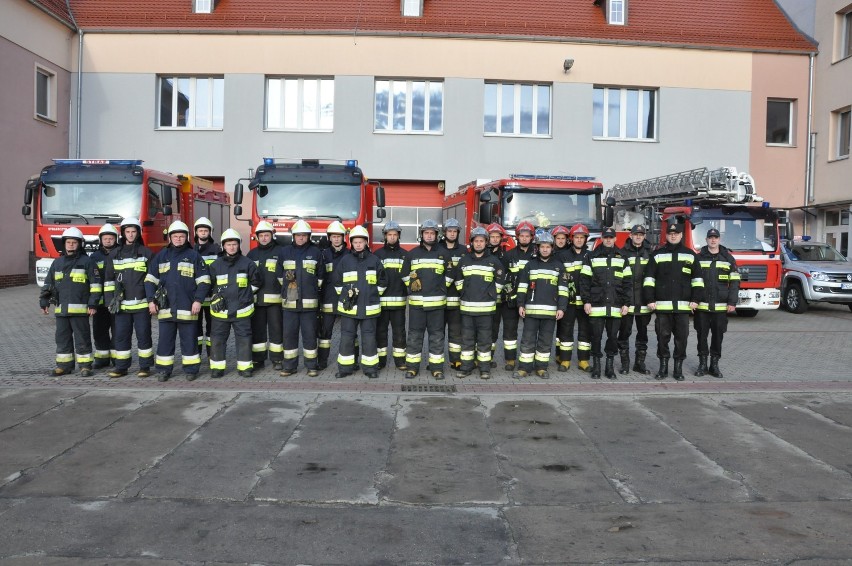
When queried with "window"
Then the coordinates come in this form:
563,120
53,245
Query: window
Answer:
299,104
846,35
517,109
779,122
191,102
45,94
616,12
841,130
409,106
202,6
624,113
412,8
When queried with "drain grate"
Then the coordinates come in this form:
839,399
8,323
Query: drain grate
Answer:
428,388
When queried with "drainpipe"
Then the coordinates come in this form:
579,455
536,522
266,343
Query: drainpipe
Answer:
809,158
79,117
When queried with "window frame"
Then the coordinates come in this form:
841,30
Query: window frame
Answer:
408,106
841,117
612,10
516,107
50,97
623,91
791,122
417,5
198,6
845,43
300,104
190,120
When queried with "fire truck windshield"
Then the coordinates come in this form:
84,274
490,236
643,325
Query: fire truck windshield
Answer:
551,208
740,231
61,202
309,200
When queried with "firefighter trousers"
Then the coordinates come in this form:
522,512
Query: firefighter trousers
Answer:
422,322
346,357
73,342
102,334
204,325
219,332
625,329
326,330
169,331
452,319
476,340
611,325
396,319
125,325
565,334
511,321
712,325
536,342
666,324
296,322
267,334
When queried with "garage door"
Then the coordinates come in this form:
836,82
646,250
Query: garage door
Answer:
410,203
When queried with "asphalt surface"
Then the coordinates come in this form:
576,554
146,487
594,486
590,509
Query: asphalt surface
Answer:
751,469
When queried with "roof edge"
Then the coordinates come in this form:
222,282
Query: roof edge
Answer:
70,25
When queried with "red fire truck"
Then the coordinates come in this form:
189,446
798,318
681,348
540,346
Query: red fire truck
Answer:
719,198
319,192
87,193
544,200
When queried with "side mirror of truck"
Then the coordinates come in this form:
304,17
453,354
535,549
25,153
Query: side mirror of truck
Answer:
238,194
166,196
29,190
167,210
609,215
26,210
380,195
238,210
485,196
380,213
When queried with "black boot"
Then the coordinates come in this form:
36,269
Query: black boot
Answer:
714,367
678,370
664,369
596,367
609,370
702,366
639,364
625,361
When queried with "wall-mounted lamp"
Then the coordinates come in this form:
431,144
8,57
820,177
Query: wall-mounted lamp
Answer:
567,64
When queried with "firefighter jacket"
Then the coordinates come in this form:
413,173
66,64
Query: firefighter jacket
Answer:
395,262
429,278
331,259
721,280
543,287
515,260
673,279
638,259
479,280
266,259
572,260
72,284
208,251
500,254
360,273
456,254
606,282
236,279
125,270
301,273
100,257
184,276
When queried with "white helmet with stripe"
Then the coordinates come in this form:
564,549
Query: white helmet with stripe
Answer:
264,226
108,229
230,234
178,226
336,227
203,222
72,234
359,232
301,227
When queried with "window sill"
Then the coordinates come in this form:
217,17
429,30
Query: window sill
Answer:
524,136
407,132
298,131
841,158
631,140
44,120
842,59
788,145
164,129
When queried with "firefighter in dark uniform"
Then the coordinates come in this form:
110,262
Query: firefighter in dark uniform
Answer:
560,239
267,334
427,299
496,239
124,276
235,280
301,274
479,278
360,281
638,251
395,262
672,288
74,286
572,257
606,285
209,250
178,280
452,314
331,257
515,260
102,321
721,292
542,300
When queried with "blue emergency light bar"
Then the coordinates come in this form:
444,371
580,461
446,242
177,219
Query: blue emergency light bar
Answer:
270,162
122,162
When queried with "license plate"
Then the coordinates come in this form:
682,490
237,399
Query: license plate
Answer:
744,294
846,286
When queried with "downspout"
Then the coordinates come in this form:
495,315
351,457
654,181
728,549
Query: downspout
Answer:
79,117
809,158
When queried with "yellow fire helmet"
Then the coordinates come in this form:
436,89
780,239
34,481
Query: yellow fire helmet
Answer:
264,226
301,227
336,227
359,232
230,234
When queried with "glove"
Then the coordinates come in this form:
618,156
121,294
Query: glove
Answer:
292,286
218,302
118,296
161,298
349,296
414,283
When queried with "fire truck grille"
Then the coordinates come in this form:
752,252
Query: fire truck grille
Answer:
753,273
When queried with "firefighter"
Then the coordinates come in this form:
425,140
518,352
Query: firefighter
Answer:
479,279
606,286
542,300
266,323
124,276
209,250
560,239
360,281
515,260
331,257
452,314
572,258
496,237
178,280
235,279
103,320
672,288
301,273
427,299
721,290
395,263
74,286
637,250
